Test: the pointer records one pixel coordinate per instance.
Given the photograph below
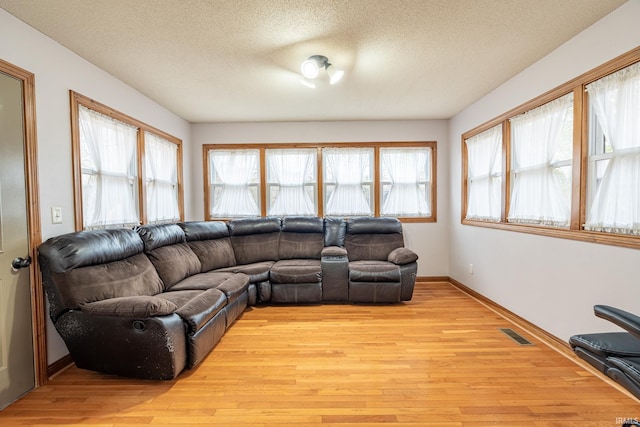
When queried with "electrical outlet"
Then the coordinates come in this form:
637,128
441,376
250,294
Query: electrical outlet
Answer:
471,269
56,215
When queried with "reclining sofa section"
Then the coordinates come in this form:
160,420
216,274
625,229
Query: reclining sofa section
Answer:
153,301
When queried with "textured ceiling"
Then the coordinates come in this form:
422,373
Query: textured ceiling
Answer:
238,60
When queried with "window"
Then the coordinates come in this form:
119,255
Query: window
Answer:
484,175
234,183
333,179
572,161
615,153
109,151
541,141
109,171
291,182
405,181
161,162
348,181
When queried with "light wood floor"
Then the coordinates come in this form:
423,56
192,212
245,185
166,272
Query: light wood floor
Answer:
439,360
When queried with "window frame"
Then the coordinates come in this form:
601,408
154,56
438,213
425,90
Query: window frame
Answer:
553,165
174,183
491,175
77,100
427,182
320,174
580,161
270,184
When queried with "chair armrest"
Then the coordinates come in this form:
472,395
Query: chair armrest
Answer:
402,256
135,306
629,322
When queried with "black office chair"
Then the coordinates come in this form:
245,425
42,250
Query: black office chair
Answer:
616,354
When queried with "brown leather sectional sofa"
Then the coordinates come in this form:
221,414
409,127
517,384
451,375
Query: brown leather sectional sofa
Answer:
153,301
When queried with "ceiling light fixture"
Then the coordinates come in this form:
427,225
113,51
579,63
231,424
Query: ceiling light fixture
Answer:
310,69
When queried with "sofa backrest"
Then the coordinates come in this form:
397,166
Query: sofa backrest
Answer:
89,266
255,239
211,243
372,238
334,231
301,238
166,247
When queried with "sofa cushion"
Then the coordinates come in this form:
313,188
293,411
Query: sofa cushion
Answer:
300,245
214,254
232,284
251,226
90,247
255,239
139,306
372,238
133,276
372,246
258,271
334,231
204,230
373,271
369,225
202,281
235,286
174,263
210,241
301,237
255,248
296,271
158,235
196,308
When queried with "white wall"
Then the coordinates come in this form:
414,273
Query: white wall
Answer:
57,70
551,282
429,240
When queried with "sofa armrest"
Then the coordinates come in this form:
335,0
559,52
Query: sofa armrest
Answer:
402,256
135,306
333,251
628,321
335,273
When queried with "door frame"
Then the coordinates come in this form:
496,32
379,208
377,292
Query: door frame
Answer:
38,319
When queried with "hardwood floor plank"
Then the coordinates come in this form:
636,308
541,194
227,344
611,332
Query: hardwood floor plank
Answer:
439,360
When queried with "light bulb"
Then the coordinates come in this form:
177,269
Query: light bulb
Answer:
309,69
334,75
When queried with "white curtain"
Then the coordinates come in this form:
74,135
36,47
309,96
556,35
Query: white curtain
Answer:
109,171
408,170
537,195
484,175
616,102
161,162
232,172
348,169
290,171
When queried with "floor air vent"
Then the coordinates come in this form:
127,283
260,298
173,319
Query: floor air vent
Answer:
515,336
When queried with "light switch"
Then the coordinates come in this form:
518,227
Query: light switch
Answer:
56,215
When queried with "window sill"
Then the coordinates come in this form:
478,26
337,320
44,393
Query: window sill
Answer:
626,241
